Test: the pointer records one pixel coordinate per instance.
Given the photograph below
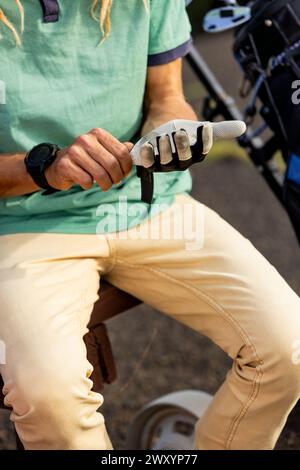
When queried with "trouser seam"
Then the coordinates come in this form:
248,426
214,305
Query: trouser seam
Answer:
112,255
229,319
255,390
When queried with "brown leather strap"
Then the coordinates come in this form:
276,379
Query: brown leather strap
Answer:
100,355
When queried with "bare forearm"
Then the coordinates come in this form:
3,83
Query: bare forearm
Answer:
166,110
14,179
95,156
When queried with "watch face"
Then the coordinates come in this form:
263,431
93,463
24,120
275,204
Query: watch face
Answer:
39,154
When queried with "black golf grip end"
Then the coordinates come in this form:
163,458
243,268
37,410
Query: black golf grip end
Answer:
147,184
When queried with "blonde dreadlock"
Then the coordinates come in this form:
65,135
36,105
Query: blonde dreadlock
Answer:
103,18
6,22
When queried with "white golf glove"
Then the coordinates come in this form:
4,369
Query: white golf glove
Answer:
179,144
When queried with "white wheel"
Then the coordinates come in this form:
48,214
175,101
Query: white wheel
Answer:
168,423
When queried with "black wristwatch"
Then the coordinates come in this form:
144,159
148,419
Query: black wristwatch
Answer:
38,160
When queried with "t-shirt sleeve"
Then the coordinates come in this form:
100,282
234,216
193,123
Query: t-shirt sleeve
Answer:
170,31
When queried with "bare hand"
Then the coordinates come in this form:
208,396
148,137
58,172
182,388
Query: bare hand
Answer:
95,156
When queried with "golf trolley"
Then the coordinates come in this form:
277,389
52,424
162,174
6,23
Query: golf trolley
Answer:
267,47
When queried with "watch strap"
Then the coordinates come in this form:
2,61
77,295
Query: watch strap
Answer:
37,173
38,176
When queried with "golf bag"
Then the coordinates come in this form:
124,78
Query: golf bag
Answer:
268,50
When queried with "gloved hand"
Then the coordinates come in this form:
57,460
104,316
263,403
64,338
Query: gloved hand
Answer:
177,145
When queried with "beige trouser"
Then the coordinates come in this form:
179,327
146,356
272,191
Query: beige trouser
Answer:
220,286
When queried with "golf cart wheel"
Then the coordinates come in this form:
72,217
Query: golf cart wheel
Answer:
168,423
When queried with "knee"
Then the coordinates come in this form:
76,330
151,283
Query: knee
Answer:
53,391
277,363
51,409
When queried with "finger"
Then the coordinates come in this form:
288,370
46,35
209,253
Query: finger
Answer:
228,129
127,163
80,176
147,155
115,147
183,145
129,145
165,150
88,145
109,162
98,173
207,138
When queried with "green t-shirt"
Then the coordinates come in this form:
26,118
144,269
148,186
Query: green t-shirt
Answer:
60,83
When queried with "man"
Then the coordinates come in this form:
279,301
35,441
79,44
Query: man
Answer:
59,84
